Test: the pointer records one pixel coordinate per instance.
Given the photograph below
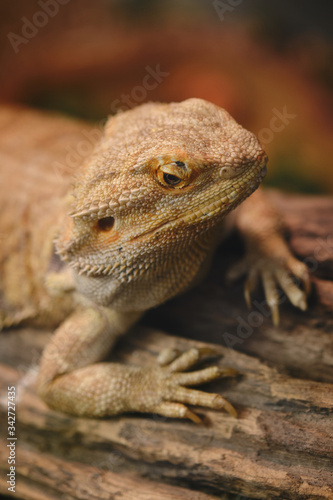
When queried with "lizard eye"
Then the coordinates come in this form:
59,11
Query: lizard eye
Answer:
105,224
173,174
171,180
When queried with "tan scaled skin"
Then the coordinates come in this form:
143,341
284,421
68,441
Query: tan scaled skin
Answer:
146,214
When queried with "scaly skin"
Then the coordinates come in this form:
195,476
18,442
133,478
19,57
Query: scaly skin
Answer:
146,214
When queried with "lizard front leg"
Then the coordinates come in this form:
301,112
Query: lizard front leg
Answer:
268,256
71,378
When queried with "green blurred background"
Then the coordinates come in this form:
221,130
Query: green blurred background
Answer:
268,63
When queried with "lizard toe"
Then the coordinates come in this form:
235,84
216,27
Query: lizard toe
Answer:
250,285
271,294
205,399
176,410
203,376
189,358
296,296
167,355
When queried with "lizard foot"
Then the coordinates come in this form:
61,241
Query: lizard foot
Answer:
170,383
288,273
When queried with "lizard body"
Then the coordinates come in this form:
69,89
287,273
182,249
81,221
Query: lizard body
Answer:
139,226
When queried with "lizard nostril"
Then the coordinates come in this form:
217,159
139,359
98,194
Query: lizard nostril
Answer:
105,224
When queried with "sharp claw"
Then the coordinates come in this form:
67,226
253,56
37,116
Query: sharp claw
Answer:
192,416
307,284
300,271
208,351
271,295
250,284
302,304
275,314
222,403
247,295
228,372
296,296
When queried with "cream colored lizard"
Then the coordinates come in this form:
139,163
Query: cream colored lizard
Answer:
146,213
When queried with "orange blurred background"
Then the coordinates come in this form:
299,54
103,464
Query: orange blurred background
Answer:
268,63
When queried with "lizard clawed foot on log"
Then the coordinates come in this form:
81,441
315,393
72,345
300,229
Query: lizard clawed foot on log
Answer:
268,258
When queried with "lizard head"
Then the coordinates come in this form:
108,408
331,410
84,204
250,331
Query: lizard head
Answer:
162,176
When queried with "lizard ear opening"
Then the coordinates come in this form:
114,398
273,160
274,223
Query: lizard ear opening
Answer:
105,224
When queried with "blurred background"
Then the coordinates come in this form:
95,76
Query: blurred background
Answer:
268,63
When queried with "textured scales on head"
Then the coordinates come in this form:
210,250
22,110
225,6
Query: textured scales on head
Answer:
162,178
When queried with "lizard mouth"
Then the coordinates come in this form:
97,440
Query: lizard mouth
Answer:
242,187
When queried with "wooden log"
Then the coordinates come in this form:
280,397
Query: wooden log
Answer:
45,477
280,446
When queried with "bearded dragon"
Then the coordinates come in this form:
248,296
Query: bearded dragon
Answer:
138,226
